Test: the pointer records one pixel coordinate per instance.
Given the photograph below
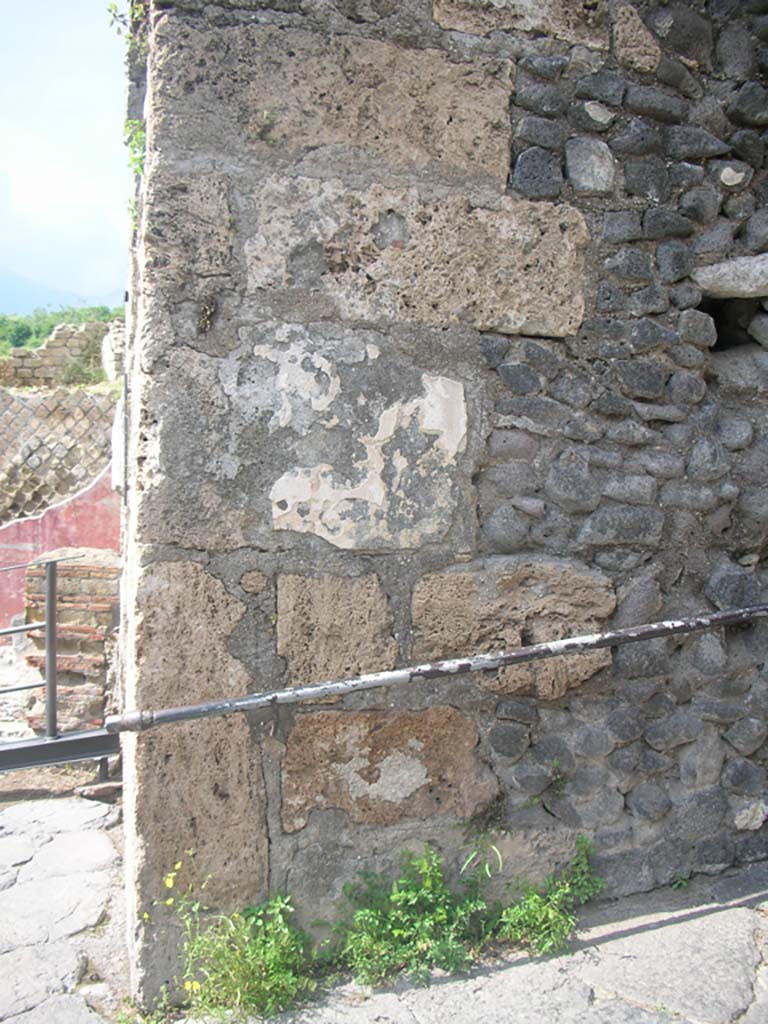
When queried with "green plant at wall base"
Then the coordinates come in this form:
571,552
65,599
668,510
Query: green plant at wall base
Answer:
543,919
257,962
412,926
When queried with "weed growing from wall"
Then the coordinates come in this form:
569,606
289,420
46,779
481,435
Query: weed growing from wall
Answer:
257,962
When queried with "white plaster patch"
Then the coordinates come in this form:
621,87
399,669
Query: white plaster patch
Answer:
376,509
399,776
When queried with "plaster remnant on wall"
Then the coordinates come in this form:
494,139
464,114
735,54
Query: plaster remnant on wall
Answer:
633,44
402,492
290,94
331,627
564,19
512,266
506,602
383,767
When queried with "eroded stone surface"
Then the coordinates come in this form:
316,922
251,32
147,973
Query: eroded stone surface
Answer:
281,94
329,627
212,768
382,767
560,18
383,254
314,428
505,602
633,44
744,277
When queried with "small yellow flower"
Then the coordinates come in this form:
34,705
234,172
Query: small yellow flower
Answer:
169,901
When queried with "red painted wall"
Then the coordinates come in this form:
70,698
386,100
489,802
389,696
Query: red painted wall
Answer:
90,519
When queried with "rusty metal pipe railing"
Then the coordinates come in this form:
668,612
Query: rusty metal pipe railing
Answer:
137,721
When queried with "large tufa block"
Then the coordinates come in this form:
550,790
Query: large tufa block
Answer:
331,627
289,95
563,19
384,255
503,603
384,767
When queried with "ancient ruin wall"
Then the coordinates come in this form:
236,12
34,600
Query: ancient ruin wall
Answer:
424,361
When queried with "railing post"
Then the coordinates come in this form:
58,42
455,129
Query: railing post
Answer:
51,726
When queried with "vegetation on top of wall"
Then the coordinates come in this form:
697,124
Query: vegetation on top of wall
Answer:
30,330
257,962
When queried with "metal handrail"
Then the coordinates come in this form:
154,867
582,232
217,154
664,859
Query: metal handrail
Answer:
138,721
40,561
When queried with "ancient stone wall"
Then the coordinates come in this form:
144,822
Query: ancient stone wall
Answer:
445,339
71,354
87,615
53,442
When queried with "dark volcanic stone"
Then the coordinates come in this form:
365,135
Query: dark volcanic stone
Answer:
702,203
591,116
547,100
716,241
653,103
509,739
621,226
672,72
545,67
625,725
638,139
747,735
685,175
505,530
649,801
674,260
747,144
659,223
614,525
743,777
685,32
610,299
605,86
537,174
668,733
630,264
519,378
539,131
686,295
652,299
493,348
756,232
642,378
647,178
686,142
735,52
750,105
518,711
731,586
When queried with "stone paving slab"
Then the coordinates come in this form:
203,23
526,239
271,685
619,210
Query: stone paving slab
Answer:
61,926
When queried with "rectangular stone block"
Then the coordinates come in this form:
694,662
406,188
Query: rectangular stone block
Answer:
564,19
380,254
277,95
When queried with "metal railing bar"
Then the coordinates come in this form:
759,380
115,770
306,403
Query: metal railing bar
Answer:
137,721
22,629
40,561
26,686
51,725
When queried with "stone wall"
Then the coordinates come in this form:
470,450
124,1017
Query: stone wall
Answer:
71,354
444,340
87,615
53,442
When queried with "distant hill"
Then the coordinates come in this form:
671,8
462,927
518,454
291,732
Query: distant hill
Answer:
20,295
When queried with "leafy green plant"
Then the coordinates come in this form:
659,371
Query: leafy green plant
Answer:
251,962
135,138
543,919
257,962
133,23
680,882
413,925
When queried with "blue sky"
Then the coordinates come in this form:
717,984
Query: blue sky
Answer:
64,184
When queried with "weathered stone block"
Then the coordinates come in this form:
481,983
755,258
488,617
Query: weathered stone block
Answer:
382,767
559,18
279,94
331,627
503,602
381,255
